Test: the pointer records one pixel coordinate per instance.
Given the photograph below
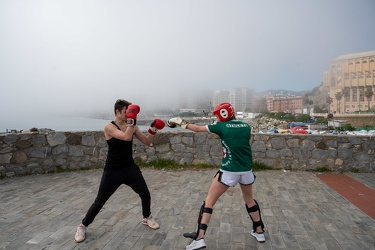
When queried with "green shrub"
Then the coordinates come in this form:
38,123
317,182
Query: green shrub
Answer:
322,169
258,166
158,163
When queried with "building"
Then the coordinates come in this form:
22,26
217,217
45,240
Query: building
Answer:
220,96
242,99
259,104
284,103
350,82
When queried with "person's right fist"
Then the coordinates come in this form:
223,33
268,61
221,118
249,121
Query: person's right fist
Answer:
131,114
177,121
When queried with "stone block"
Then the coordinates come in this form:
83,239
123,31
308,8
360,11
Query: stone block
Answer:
88,140
10,138
5,158
278,143
216,150
175,139
187,140
178,147
19,157
74,139
56,138
39,140
75,151
272,153
37,152
258,146
200,138
23,144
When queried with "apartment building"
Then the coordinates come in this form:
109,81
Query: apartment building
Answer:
241,98
284,103
349,80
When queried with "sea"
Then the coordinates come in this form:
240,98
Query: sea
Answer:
60,124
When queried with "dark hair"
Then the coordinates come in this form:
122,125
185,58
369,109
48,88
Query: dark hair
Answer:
120,104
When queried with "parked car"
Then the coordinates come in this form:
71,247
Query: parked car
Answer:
283,131
272,131
298,130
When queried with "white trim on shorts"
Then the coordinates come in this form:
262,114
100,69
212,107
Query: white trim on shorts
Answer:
230,179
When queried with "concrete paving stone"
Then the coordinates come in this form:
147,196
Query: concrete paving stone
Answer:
319,246
238,238
304,242
366,179
366,241
277,241
299,211
349,247
237,246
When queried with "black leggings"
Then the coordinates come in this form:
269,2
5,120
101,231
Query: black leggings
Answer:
111,180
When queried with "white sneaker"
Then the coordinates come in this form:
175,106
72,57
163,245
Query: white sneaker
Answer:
80,234
196,244
259,236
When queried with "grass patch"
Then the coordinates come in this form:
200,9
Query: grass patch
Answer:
59,169
160,163
322,169
258,166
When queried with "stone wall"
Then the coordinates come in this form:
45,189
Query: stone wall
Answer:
37,153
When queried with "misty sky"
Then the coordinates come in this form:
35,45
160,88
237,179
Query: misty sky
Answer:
82,55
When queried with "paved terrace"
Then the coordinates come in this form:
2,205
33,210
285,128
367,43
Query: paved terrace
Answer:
299,211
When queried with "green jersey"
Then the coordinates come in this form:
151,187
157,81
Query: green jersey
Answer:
235,139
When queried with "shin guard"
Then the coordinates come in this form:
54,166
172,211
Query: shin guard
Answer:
253,209
199,226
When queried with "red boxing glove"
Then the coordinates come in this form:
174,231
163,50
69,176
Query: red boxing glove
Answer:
131,114
156,125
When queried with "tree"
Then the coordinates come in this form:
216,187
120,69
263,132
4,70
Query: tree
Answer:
368,93
303,118
338,98
329,100
322,121
318,109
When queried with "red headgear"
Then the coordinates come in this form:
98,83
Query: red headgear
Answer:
224,111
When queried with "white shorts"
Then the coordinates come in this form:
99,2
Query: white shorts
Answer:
231,179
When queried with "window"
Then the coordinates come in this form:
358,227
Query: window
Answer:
354,94
347,94
361,94
333,81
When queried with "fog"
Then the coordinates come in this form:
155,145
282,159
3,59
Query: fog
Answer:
69,56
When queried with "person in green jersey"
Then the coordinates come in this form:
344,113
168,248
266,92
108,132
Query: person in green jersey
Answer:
236,167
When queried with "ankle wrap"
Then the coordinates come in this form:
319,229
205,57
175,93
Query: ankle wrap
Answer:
200,225
253,209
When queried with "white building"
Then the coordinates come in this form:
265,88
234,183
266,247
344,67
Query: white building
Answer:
241,98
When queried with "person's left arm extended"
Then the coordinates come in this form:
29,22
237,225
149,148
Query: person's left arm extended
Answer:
155,126
147,140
